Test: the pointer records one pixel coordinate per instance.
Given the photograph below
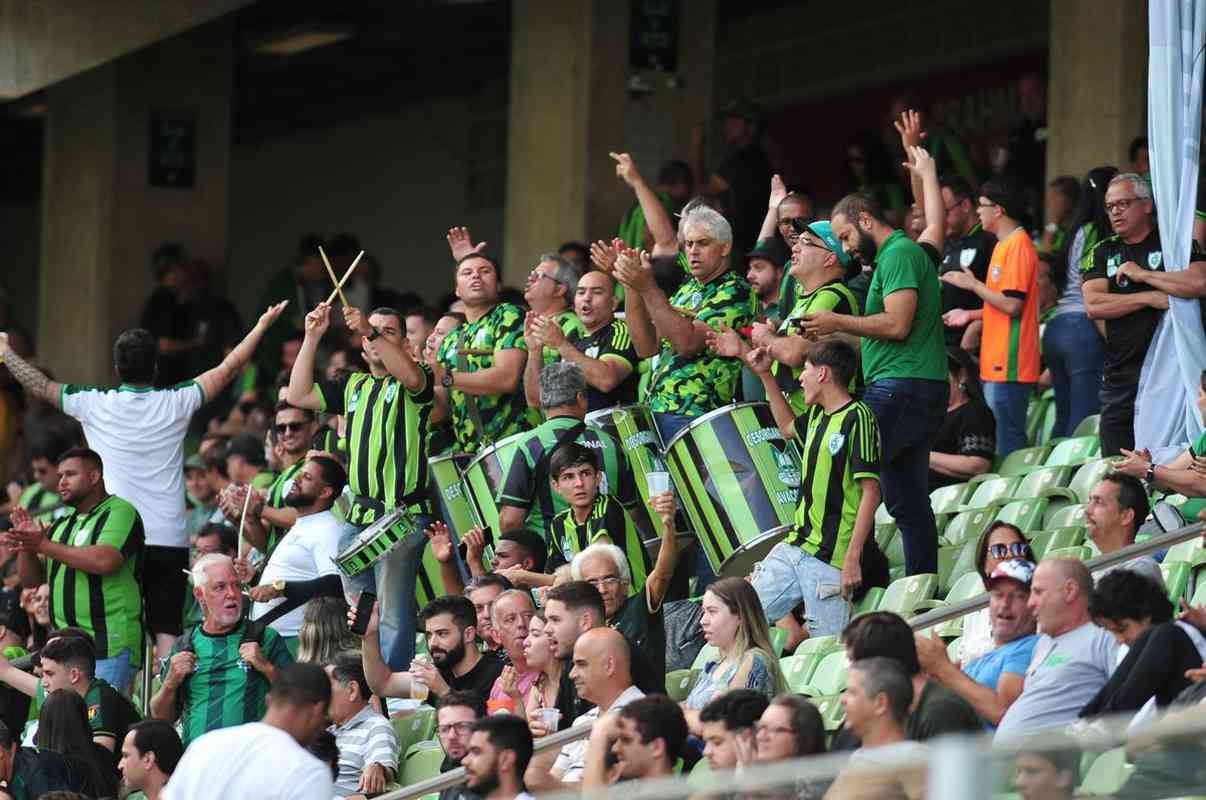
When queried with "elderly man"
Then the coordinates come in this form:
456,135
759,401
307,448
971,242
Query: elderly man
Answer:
527,498
1117,506
368,746
214,679
1128,287
512,612
992,682
601,674
688,380
550,289
1073,658
595,340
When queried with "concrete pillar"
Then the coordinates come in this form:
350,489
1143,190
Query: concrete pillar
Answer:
1097,94
101,218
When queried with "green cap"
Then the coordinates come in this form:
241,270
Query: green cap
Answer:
824,231
193,462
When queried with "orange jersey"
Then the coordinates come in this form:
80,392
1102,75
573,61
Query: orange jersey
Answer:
1009,346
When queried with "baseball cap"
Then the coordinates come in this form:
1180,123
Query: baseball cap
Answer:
1016,569
771,249
823,230
194,462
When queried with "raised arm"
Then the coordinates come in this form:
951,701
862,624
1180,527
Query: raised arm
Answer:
770,223
628,270
656,219
924,174
218,378
30,377
759,361
381,680
658,581
533,366
394,355
301,392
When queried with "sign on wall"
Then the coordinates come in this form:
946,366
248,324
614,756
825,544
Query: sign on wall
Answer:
654,38
173,149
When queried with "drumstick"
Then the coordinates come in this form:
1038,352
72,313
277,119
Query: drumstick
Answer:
327,263
344,279
243,516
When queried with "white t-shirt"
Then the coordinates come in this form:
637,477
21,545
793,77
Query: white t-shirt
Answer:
571,761
304,553
139,434
249,762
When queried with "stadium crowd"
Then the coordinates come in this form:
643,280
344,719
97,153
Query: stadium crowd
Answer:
260,519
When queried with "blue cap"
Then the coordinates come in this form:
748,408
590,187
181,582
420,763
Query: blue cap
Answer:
823,230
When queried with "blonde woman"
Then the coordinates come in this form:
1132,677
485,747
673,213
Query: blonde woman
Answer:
324,631
734,622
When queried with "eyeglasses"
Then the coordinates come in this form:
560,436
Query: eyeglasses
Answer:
1012,550
537,275
1121,204
777,730
606,580
291,427
462,728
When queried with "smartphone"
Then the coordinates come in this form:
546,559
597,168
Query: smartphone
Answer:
487,541
364,610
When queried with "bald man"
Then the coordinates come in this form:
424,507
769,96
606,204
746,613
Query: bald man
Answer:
1073,658
602,674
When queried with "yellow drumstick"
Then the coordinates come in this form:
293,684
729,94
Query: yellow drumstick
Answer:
344,279
327,263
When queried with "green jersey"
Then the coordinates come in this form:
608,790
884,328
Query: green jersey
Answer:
45,506
225,690
608,520
838,450
527,482
900,265
387,440
471,347
693,385
833,296
107,606
275,498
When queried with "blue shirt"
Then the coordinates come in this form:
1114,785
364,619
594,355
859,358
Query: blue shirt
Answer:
1013,657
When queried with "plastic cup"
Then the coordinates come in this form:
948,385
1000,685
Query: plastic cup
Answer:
657,483
550,717
418,689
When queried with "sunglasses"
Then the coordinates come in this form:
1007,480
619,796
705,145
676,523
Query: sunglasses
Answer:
1013,550
291,427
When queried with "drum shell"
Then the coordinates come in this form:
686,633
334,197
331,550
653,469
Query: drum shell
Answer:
449,498
739,481
484,476
632,426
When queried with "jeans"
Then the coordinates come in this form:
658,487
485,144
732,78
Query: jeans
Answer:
1075,356
789,576
670,424
1008,402
393,578
909,412
1118,414
117,671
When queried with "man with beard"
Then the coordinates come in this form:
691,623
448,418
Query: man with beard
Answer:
456,664
92,561
271,514
303,564
500,748
214,679
764,270
596,341
904,364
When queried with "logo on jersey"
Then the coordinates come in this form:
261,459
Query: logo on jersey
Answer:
355,401
592,351
967,256
1154,259
391,391
996,273
836,440
92,712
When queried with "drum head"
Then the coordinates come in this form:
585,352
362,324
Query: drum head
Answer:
742,560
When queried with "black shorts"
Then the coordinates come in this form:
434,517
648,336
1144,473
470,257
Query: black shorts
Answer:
163,586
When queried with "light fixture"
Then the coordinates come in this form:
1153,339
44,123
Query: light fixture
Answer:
299,40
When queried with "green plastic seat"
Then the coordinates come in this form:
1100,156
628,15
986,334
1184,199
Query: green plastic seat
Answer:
1108,773
414,728
819,645
965,563
968,526
831,711
1065,517
1037,413
679,683
1087,476
1187,551
423,761
1081,553
947,556
1074,451
1176,579
965,587
894,550
909,595
778,640
1037,482
1089,426
709,652
1027,515
882,517
1199,595
1020,462
829,677
869,602
1043,541
948,498
991,493
797,670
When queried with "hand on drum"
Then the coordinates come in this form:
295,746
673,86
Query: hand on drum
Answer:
726,342
374,618
441,542
475,542
759,360
663,505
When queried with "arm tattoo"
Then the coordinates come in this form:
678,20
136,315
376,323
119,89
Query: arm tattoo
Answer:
26,374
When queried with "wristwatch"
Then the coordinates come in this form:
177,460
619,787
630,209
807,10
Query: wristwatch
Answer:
1150,477
446,380
374,336
279,585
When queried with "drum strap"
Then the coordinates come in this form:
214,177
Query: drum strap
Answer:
462,363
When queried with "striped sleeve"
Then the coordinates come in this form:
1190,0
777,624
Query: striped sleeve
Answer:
619,345
122,529
864,436
517,489
427,393
381,747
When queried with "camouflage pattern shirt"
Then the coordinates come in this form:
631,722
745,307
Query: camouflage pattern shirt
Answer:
472,347
693,385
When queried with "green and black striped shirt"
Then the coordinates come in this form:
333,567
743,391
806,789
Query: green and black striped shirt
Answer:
839,450
225,690
107,606
527,482
44,505
608,519
387,440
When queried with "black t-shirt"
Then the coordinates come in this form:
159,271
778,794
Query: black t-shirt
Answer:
645,632
973,251
939,712
747,172
480,679
612,340
969,430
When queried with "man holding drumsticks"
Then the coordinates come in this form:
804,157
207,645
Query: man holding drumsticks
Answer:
387,409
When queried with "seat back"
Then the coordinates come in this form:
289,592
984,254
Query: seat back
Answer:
905,594
1040,480
1027,515
1076,450
1089,426
1079,553
1019,462
1088,476
993,492
1043,541
947,498
830,674
423,761
1065,517
968,526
